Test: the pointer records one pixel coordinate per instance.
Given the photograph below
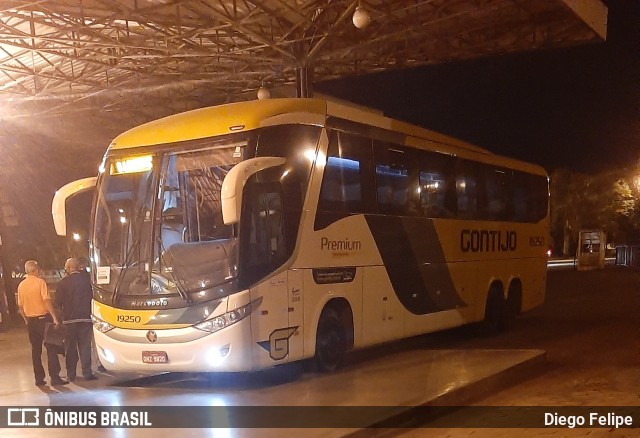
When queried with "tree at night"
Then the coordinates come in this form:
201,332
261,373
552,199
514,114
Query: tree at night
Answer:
607,201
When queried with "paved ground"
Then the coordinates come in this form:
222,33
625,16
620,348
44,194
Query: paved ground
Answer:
589,326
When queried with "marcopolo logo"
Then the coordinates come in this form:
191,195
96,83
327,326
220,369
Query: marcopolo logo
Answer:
488,240
160,302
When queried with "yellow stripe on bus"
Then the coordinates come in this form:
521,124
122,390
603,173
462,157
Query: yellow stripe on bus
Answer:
133,319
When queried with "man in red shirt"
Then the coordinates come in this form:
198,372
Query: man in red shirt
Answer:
34,303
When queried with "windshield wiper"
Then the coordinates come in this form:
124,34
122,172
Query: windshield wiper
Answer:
125,265
139,220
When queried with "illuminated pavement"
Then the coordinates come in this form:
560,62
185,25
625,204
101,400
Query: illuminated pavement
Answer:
413,377
566,263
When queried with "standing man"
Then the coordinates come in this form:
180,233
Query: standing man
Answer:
34,304
73,296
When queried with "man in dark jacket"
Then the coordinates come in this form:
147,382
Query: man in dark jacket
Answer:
73,296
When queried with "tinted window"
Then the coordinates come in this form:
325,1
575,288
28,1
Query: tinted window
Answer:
467,190
497,182
263,245
298,144
398,180
346,185
436,185
536,198
394,180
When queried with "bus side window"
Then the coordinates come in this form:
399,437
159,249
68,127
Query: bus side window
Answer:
466,190
519,191
497,189
436,185
538,200
345,187
395,176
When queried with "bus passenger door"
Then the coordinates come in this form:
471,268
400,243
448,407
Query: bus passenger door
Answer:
263,250
296,311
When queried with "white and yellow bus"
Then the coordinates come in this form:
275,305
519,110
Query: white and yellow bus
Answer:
253,234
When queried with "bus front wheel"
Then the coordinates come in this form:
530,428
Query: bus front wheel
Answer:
331,342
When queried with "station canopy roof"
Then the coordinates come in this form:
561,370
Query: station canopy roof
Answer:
166,56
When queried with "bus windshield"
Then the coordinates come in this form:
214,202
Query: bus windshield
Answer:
158,227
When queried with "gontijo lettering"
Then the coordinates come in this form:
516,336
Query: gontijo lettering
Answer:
340,245
488,240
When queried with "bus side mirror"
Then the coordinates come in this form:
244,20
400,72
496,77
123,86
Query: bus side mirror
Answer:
233,184
58,207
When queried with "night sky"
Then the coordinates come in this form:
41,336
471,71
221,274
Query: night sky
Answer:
574,107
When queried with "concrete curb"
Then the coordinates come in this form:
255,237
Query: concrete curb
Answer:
463,395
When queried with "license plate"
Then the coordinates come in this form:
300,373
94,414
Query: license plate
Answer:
154,357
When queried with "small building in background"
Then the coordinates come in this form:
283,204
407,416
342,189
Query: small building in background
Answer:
591,249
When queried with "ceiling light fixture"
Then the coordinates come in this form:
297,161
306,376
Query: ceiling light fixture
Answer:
263,93
361,17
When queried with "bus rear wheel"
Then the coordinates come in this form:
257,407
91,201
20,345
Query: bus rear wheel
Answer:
495,314
514,303
331,341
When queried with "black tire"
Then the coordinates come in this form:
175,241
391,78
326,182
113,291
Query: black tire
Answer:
331,341
513,304
495,313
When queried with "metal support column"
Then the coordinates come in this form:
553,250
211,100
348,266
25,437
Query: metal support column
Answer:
304,81
8,306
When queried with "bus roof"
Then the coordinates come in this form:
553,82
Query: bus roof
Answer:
212,121
249,115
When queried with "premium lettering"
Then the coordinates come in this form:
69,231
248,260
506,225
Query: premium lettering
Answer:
488,240
340,245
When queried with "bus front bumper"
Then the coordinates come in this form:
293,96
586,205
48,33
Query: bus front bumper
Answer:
190,349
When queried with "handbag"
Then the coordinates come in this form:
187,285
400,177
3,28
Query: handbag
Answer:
54,338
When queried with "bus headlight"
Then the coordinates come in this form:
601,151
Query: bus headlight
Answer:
100,325
219,322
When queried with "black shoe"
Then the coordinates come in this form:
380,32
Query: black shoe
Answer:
40,383
59,381
90,377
